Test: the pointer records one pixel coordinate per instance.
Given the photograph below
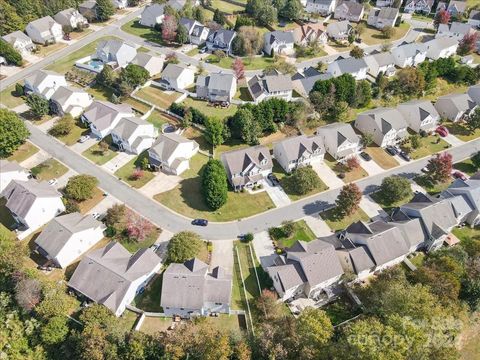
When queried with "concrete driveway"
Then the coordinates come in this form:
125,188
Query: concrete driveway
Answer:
371,208
222,255
371,167
453,140
106,203
160,183
327,175
263,246
318,226
35,159
62,180
81,147
118,161
277,194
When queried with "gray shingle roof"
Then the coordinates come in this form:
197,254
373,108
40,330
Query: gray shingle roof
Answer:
166,144
43,24
38,76
127,126
351,65
385,119
12,37
461,102
418,110
412,231
338,27
354,8
269,84
388,13
237,161
220,81
63,93
297,146
410,50
173,70
102,113
342,132
279,36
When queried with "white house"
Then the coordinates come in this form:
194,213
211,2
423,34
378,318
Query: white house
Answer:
176,77
10,170
383,62
197,32
442,47
71,17
278,42
297,151
68,237
386,125
190,289
455,30
455,107
44,30
115,52
418,6
103,117
340,30
119,4
171,153
112,276
340,140
32,203
70,100
44,83
469,191
322,7
133,135
21,42
419,115
263,87
216,87
474,93
152,15
358,68
310,33
153,64
409,54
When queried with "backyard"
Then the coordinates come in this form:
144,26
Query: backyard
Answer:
48,170
208,110
162,99
157,118
23,152
126,172
149,300
226,7
341,310
335,223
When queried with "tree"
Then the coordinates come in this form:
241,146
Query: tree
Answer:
440,167
81,187
55,330
352,163
106,77
105,10
442,17
62,126
238,68
183,246
395,188
244,126
138,228
214,131
11,20
134,75
187,119
13,132
304,180
388,32
214,184
115,217
169,28
268,307
363,93
473,121
360,29
219,17
367,139
411,81
103,147
182,35
415,141
468,44
11,55
38,104
292,10
348,200
316,329
27,292
55,301
357,52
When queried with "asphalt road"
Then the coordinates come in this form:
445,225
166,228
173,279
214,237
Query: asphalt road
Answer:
165,218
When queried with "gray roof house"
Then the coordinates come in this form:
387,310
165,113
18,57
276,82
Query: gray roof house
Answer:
381,62
358,68
216,87
71,17
44,30
455,107
296,151
197,32
322,7
474,18
220,40
278,42
442,47
469,191
112,276
340,140
309,33
176,77
189,289
44,83
418,6
153,64
70,100
115,52
247,167
419,115
456,7
307,270
303,81
412,231
474,93
11,170
349,10
20,42
339,30
386,125
409,54
103,116
456,30
68,237
383,17
270,85
88,9
152,15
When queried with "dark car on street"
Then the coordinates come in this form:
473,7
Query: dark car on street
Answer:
392,150
200,222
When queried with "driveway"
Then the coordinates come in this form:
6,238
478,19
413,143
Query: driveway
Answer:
81,147
118,161
318,226
417,188
47,124
160,183
327,175
371,208
106,203
371,167
62,180
263,246
37,158
453,140
277,194
222,255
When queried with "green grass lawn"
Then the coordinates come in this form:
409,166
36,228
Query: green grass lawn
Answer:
187,198
75,134
460,131
226,7
126,171
217,112
150,299
243,94
301,232
162,99
44,51
388,207
381,157
193,52
9,98
339,224
134,246
467,233
319,53
230,145
197,135
256,63
157,118
418,259
95,154
429,145
48,170
466,167
341,310
23,152
429,186
339,168
150,34
372,36
100,92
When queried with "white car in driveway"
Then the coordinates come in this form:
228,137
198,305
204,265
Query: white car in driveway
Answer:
52,182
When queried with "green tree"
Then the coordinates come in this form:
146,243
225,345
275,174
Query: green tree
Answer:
388,32
183,246
357,52
367,139
219,17
55,330
395,188
348,200
134,75
214,131
415,141
81,187
55,301
107,76
473,121
363,93
182,35
105,10
10,20
13,132
304,180
214,184
115,217
62,126
11,55
38,104
316,329
292,10
244,126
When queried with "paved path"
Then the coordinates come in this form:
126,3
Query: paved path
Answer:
277,194
453,140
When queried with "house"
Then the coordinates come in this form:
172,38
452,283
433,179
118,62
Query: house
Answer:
119,4
340,30
306,34
322,7
216,87
383,62
420,115
436,215
171,153
152,15
248,167
270,85
474,93
153,64
455,30
103,117
455,107
303,81
189,289
133,135
418,6
474,18
111,276
386,125
197,32
88,9
358,68
412,231
220,39
441,6
70,100
44,83
467,191
71,17
32,203
68,237
278,42
115,52
457,8
179,4
297,151
44,31
176,77
442,47
21,42
10,170
380,18
349,10
409,54
307,270
340,140
384,3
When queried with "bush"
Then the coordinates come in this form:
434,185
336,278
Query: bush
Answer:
19,90
303,180
248,237
38,104
71,206
13,132
395,188
288,227
11,55
81,187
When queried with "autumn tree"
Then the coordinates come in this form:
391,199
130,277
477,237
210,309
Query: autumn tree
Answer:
28,292
440,167
411,81
238,68
388,32
468,44
81,187
442,17
137,227
169,28
357,52
115,216
352,163
316,329
268,306
348,200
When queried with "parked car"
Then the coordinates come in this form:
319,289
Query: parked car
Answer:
200,222
392,150
459,175
405,156
442,131
365,156
52,182
273,179
83,138
425,170
341,175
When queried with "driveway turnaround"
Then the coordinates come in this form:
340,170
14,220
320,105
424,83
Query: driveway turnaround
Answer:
327,175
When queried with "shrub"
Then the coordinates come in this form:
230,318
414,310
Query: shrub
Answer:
11,55
183,246
352,163
248,237
395,188
214,184
81,187
19,90
137,174
288,227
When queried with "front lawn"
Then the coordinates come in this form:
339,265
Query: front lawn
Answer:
459,130
48,170
145,32
373,36
125,173
466,167
23,152
431,187
149,300
381,157
133,246
319,53
388,207
77,131
256,63
162,99
9,98
429,145
44,51
209,110
339,168
96,154
89,204
336,223
301,232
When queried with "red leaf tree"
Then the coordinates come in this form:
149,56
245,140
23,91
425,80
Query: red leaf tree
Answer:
137,174
352,163
348,200
467,44
169,28
440,167
137,227
239,68
442,17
